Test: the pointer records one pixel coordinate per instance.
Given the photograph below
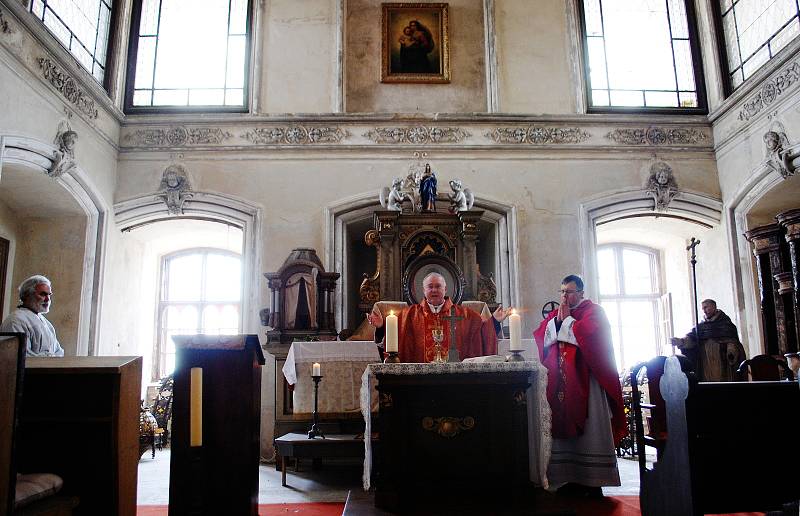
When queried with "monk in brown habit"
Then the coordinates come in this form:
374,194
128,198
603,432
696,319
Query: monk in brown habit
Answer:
474,336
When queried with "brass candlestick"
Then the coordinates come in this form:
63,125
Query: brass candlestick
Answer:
391,357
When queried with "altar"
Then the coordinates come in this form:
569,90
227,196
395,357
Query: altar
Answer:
441,426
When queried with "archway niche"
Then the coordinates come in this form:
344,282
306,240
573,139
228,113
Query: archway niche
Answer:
56,227
347,252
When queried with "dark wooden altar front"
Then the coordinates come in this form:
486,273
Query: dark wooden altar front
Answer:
451,439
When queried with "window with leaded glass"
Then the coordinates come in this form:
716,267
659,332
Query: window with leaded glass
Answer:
188,54
754,31
641,55
82,26
200,293
628,278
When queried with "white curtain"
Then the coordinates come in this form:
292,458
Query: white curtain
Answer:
292,294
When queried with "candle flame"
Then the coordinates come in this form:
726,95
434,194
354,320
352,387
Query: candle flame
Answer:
513,311
391,312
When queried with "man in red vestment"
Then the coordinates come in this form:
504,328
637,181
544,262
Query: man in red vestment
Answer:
584,392
474,336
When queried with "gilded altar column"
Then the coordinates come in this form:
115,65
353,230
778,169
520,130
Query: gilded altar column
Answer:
790,222
767,251
469,236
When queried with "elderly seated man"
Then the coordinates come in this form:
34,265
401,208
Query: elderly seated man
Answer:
475,337
36,297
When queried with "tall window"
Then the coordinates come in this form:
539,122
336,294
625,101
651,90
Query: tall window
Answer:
186,53
82,26
642,54
629,294
200,293
755,30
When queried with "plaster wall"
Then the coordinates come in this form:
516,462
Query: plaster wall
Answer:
533,57
545,192
10,230
30,106
365,93
298,68
55,248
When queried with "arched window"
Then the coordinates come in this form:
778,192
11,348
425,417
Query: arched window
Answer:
641,55
200,293
188,54
754,31
629,293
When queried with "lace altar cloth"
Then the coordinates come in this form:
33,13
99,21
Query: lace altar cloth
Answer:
539,436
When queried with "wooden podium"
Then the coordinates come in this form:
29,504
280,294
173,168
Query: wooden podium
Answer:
220,476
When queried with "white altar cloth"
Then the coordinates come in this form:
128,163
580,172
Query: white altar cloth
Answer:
539,419
341,364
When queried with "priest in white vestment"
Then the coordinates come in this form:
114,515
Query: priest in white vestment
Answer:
35,294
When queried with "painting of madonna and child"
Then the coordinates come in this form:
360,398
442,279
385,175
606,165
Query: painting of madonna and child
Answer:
416,46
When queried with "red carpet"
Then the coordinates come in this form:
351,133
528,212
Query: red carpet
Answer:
299,509
608,506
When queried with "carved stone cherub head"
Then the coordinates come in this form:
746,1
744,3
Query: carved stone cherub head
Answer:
661,185
67,142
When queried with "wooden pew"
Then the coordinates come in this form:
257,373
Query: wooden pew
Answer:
727,449
80,420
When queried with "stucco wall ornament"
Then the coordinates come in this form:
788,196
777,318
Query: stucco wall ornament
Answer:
174,189
657,136
661,185
64,156
4,27
295,135
461,199
770,91
68,87
417,134
777,145
538,135
177,136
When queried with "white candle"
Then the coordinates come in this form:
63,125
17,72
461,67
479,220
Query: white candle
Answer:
391,332
515,327
196,406
315,369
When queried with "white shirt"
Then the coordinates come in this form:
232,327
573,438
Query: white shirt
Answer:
39,333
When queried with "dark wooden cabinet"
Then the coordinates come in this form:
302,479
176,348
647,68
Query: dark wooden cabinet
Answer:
79,419
451,438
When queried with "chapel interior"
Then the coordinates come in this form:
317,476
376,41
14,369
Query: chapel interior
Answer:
181,168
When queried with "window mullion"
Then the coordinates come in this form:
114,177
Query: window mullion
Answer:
672,52
605,50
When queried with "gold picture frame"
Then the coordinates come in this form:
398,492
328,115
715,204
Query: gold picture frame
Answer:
415,43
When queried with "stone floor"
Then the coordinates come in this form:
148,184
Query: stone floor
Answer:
330,483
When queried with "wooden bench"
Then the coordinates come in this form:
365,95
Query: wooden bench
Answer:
299,446
727,448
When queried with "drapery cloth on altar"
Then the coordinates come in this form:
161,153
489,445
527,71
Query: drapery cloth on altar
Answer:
539,438
474,336
342,364
292,293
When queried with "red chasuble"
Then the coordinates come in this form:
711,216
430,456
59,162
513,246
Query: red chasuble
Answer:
474,336
569,366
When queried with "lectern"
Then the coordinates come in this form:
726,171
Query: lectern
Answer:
215,425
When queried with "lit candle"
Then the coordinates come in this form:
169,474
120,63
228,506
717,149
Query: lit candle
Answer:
315,369
391,332
196,407
515,327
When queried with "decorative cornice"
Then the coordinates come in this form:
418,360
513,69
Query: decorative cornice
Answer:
657,136
538,135
417,134
177,136
68,87
4,27
770,91
295,134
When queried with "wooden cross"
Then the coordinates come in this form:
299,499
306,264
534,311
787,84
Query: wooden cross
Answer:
452,353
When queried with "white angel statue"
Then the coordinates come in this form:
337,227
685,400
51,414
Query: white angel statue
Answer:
461,199
393,199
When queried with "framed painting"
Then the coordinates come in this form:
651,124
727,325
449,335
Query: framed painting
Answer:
416,43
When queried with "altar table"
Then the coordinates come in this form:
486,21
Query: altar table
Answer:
430,377
341,364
